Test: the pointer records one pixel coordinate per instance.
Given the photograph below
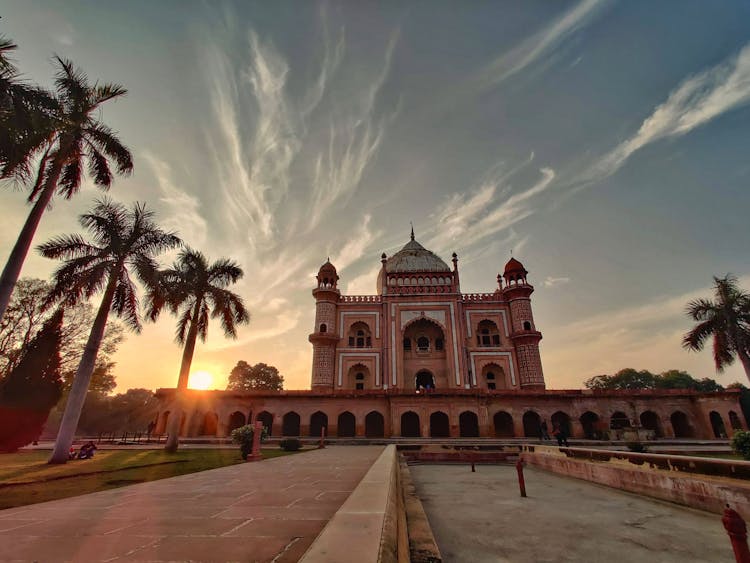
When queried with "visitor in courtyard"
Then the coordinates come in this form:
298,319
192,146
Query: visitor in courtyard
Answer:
87,450
543,431
561,435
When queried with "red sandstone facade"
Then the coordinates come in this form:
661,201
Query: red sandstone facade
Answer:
420,358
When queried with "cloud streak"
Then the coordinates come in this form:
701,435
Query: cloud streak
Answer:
696,101
353,141
534,48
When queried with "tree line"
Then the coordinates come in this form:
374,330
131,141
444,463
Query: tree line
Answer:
50,141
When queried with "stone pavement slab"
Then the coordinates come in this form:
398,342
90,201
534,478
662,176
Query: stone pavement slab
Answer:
480,517
266,511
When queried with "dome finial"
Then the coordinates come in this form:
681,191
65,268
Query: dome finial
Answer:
412,230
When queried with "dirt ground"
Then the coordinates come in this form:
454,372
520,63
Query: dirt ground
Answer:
480,517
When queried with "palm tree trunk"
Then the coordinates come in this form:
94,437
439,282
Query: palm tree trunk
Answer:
175,418
17,256
80,386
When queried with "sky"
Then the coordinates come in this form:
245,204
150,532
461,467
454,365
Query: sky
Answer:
604,143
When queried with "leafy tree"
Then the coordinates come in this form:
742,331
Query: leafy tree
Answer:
725,321
76,139
627,378
32,388
245,377
27,313
124,242
193,290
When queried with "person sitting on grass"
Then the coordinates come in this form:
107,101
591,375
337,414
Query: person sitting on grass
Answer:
87,450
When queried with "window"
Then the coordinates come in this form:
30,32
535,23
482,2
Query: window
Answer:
490,375
360,376
485,337
360,386
439,344
407,344
423,344
487,334
323,328
359,335
490,385
526,325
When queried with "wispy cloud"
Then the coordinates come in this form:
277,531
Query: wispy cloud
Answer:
536,47
695,102
254,167
182,210
551,281
468,219
356,244
353,141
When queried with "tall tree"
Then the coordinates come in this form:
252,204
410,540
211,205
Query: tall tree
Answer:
32,388
25,316
77,139
245,377
25,118
725,321
123,241
627,378
193,289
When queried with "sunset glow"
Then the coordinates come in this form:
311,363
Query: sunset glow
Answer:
201,380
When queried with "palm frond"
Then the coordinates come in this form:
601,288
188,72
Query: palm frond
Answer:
224,272
70,177
67,247
98,167
230,308
125,302
107,142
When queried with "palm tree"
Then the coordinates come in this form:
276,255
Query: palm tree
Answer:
726,320
123,241
77,138
25,117
193,289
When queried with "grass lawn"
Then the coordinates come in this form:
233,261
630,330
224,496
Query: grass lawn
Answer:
26,478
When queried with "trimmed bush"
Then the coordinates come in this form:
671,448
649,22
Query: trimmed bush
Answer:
290,444
244,437
741,443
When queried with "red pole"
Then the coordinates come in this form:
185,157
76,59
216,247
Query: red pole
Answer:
522,483
322,437
735,527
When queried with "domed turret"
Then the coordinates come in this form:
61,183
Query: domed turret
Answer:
327,276
514,272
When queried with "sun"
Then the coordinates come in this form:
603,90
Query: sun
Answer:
200,380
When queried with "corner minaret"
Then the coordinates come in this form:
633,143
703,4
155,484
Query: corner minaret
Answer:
524,335
324,337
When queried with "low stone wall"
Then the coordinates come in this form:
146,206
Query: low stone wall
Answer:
422,547
659,476
366,527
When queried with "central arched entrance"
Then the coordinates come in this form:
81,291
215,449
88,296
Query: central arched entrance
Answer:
439,425
424,380
267,419
290,424
346,425
318,422
410,425
374,425
468,425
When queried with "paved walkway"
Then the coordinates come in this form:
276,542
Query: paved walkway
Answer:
267,511
480,517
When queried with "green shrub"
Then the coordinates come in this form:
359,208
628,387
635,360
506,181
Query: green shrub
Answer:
741,443
290,444
244,437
